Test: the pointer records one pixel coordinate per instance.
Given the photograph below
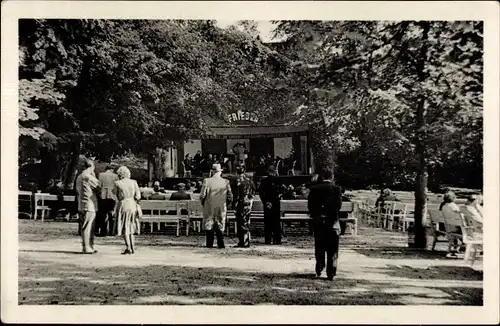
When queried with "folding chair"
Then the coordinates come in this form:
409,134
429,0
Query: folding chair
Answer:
451,222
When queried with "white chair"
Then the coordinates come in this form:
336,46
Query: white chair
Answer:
386,214
471,239
405,216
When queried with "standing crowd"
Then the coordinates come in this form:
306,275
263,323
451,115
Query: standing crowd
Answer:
115,199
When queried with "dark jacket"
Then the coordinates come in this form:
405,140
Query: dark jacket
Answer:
325,199
270,190
180,195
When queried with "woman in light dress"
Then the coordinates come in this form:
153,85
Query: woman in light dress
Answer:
128,194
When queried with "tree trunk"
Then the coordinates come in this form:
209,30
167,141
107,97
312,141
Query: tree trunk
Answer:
72,167
161,163
421,182
421,179
151,168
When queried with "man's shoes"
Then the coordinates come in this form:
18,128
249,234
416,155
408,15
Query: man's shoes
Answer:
89,252
319,269
330,274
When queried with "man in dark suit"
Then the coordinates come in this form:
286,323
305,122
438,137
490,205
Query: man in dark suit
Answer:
324,203
270,191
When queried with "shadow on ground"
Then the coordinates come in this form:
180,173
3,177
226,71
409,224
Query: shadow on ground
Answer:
400,252
157,284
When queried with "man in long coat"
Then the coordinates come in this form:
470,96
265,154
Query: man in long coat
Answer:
242,206
324,203
270,191
215,195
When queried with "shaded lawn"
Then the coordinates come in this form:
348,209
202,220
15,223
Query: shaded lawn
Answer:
155,284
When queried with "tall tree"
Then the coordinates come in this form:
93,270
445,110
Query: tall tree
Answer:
411,85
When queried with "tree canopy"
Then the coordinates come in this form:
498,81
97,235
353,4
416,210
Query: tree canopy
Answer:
408,91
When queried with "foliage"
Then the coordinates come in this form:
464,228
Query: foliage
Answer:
410,90
111,87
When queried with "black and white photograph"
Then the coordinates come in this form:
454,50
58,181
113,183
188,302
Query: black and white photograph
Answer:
231,160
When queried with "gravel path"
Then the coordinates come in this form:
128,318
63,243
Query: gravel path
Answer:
178,270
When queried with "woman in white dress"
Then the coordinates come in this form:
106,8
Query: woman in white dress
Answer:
128,194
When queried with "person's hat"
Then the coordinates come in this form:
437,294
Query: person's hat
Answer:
216,167
181,186
156,183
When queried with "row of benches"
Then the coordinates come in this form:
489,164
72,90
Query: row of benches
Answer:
157,211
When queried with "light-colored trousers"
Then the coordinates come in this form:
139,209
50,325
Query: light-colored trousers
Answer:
87,219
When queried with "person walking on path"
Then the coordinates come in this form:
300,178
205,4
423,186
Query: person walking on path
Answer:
127,219
86,188
215,195
242,206
324,202
107,203
270,191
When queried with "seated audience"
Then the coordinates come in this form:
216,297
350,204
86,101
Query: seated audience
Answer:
385,195
181,193
302,192
289,193
157,188
472,215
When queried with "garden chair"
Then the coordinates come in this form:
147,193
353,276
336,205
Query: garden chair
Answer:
435,216
387,214
405,216
471,239
451,222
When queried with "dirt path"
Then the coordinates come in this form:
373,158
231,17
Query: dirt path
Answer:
180,271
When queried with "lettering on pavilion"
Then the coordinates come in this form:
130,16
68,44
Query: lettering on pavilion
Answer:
243,116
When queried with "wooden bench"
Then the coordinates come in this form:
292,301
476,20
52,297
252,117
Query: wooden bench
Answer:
41,200
296,210
157,212
25,203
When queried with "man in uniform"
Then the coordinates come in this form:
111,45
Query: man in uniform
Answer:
270,191
239,153
324,202
242,206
